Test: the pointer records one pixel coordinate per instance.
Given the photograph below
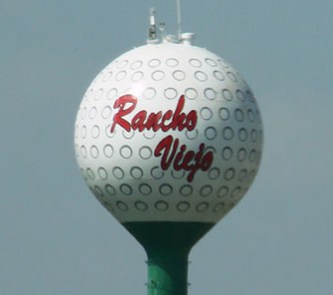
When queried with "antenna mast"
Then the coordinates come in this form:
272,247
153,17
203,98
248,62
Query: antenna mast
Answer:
179,20
152,34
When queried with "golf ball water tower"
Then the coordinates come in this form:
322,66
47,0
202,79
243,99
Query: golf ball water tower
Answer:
168,137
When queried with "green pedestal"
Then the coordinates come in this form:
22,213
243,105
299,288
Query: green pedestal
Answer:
167,245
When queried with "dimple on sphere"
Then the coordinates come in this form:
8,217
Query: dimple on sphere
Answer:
168,132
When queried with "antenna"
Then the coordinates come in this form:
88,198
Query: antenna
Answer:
179,20
152,36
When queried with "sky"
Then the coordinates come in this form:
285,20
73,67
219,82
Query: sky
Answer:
56,239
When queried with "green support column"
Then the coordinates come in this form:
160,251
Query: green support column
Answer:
167,245
167,272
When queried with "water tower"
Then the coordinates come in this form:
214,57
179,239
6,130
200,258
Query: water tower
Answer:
168,137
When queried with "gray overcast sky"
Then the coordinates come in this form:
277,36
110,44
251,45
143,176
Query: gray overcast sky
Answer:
55,238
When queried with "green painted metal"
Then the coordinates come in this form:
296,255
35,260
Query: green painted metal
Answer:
167,272
167,245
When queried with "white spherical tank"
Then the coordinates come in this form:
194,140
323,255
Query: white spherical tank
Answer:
168,132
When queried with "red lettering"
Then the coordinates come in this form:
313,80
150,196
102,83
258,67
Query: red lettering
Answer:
183,160
181,120
173,155
138,121
120,104
178,117
165,144
167,116
202,162
207,161
177,165
170,120
152,121
191,120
